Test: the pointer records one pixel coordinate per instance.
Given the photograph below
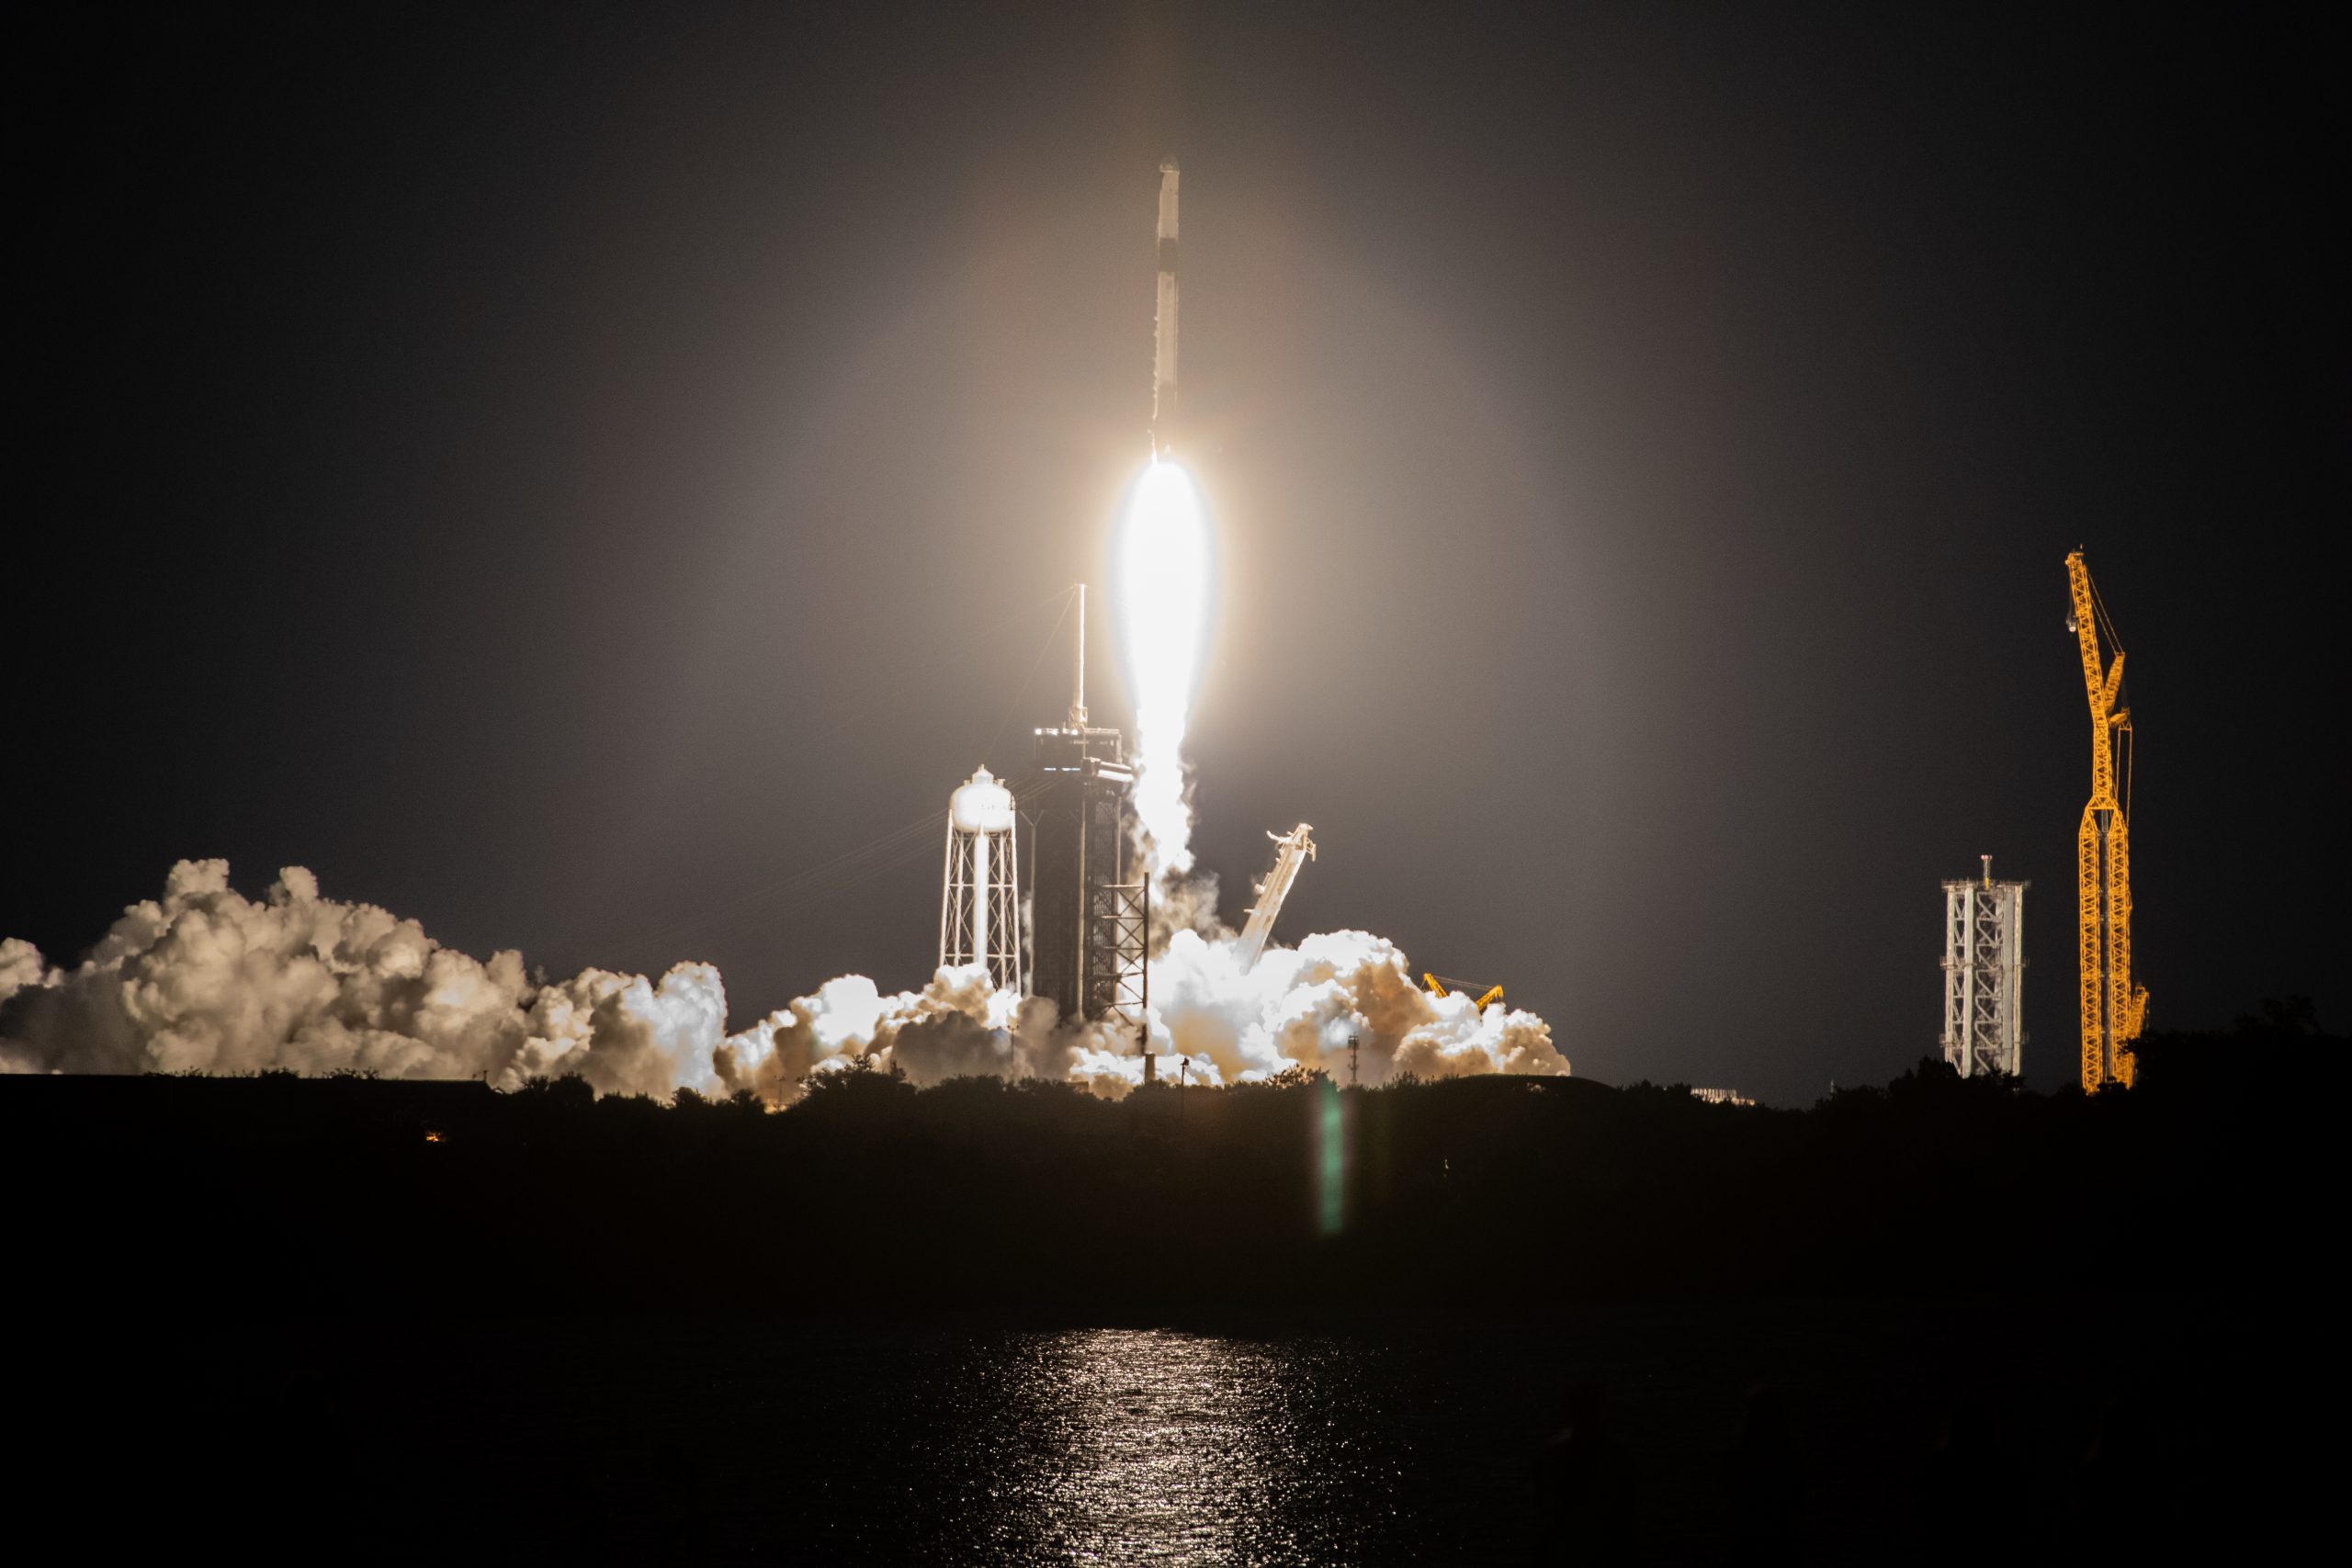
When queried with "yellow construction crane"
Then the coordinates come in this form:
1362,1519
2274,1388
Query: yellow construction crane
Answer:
1440,985
2113,1007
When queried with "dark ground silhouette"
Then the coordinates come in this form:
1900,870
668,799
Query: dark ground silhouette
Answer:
247,1282
1037,1200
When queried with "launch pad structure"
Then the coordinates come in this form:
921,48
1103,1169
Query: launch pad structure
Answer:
1089,892
1090,897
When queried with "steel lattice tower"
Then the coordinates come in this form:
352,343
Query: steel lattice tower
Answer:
1983,975
1090,901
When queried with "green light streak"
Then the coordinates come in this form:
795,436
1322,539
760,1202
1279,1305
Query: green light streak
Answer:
1334,1142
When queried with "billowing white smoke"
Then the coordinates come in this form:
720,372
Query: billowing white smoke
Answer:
1239,1024
204,979
956,1027
20,967
1298,1009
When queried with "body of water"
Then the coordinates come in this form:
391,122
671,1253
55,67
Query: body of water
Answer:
691,1441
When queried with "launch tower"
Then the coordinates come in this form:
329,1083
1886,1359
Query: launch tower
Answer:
1984,969
1092,902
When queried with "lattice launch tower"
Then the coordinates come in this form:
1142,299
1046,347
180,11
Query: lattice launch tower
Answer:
1090,899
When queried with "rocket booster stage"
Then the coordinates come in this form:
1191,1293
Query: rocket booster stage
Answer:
1163,358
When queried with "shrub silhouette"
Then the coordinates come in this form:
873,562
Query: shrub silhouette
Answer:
1038,1197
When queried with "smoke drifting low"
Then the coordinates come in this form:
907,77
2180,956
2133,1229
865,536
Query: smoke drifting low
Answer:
204,979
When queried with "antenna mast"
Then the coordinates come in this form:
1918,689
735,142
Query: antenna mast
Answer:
1077,668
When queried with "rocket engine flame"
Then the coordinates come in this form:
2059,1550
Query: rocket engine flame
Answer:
1162,585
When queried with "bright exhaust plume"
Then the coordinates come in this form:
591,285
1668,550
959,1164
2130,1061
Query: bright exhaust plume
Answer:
1162,587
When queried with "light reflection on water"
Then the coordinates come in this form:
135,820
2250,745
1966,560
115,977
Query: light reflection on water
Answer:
1127,1446
897,1444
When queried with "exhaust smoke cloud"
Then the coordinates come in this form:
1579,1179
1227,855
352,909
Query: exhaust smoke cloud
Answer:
204,979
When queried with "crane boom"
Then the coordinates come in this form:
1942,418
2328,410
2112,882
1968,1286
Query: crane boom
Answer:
1440,985
2113,1007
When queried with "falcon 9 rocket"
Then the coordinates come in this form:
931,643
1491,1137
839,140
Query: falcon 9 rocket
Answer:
1163,358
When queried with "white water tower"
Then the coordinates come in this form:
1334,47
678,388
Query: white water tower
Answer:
979,912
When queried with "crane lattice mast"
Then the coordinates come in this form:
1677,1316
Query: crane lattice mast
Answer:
2113,1007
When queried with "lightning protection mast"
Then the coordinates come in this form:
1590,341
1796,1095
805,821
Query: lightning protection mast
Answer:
2113,1007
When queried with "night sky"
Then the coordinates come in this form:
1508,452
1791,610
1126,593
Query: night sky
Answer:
563,475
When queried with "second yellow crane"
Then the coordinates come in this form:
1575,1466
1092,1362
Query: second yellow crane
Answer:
1442,985
2113,1007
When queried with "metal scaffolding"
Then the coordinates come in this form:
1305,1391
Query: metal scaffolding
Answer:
1117,982
1085,929
1091,928
1984,969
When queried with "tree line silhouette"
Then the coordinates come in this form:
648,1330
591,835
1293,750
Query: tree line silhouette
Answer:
1037,1200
